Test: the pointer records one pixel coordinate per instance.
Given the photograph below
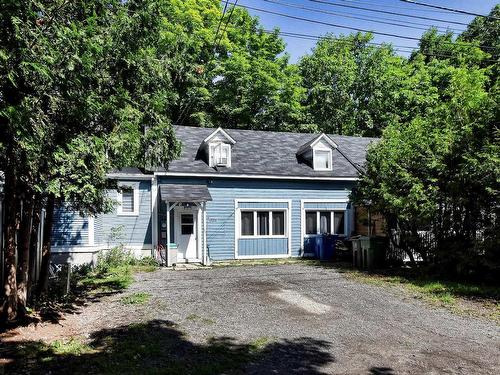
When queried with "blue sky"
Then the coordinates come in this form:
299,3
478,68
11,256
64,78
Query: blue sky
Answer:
298,47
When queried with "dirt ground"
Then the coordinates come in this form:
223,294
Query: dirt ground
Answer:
257,320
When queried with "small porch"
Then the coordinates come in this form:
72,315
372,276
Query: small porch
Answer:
182,223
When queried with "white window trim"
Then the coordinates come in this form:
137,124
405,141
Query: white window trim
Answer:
322,149
318,221
258,236
288,226
135,187
211,147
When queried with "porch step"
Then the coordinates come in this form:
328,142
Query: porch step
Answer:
187,266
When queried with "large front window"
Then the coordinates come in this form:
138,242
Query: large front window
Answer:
263,223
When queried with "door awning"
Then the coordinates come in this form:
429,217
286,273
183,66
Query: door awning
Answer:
184,193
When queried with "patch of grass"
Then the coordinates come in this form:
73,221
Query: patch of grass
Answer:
70,347
197,318
115,268
265,262
439,292
114,278
136,299
259,344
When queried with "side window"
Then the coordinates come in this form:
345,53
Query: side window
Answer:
128,199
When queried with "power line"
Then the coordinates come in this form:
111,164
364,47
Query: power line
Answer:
449,9
384,5
350,27
191,102
183,112
397,48
346,16
387,12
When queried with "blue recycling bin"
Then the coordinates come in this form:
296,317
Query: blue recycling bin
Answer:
327,247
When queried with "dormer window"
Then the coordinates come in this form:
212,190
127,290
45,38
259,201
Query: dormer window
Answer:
318,152
220,155
217,148
323,160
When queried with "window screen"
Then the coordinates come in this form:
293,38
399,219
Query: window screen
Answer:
127,200
311,227
325,222
278,223
247,223
262,223
339,222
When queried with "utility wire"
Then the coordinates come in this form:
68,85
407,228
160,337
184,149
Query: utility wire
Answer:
286,15
387,12
183,113
397,48
191,102
346,16
385,5
450,9
372,17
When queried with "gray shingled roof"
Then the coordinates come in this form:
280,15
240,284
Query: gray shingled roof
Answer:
268,153
184,193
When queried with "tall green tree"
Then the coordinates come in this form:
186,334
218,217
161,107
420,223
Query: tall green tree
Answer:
440,170
74,104
353,87
253,85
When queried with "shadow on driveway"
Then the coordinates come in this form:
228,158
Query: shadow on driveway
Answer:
158,346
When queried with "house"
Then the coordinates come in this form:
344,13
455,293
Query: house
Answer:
232,194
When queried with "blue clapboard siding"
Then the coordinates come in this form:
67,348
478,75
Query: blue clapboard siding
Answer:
221,210
69,228
262,246
325,206
135,230
258,205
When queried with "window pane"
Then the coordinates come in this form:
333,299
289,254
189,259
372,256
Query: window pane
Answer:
311,227
262,223
127,200
321,159
339,222
187,219
325,220
247,223
224,155
187,229
278,223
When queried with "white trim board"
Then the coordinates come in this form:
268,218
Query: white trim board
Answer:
268,177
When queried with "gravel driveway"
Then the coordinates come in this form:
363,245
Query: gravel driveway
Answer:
316,321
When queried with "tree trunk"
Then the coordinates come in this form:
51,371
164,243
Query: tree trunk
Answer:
43,282
24,253
33,250
8,310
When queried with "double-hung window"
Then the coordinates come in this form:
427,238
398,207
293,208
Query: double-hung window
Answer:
220,155
263,223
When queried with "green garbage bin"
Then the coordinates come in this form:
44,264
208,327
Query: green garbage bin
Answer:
369,252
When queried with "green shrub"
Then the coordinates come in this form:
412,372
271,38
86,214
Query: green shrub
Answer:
115,257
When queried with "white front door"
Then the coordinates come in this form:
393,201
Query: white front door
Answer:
186,234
